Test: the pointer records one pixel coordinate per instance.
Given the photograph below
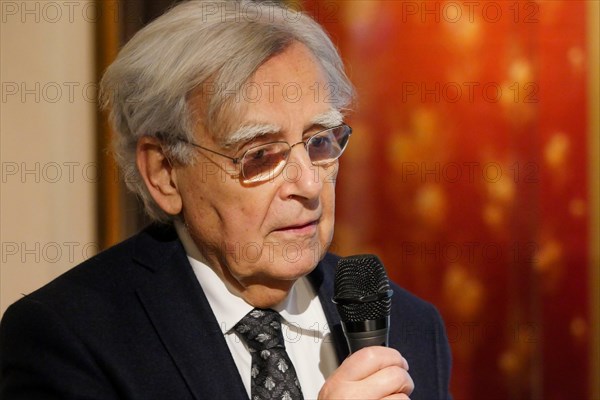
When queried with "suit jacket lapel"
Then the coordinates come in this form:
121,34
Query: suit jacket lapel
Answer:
181,315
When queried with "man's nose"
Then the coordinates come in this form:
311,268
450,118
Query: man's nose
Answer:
301,178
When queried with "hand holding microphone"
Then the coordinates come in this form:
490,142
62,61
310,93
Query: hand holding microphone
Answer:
362,294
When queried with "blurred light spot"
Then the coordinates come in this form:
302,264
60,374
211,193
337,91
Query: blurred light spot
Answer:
424,124
576,58
555,152
516,360
577,208
493,215
578,328
501,195
502,191
548,264
466,33
510,363
519,93
550,253
430,204
463,292
520,71
361,14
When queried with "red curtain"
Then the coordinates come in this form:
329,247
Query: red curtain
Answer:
467,175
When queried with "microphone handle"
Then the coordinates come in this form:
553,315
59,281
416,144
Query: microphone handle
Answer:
366,333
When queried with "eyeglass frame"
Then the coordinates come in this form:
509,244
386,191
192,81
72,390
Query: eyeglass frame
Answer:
237,160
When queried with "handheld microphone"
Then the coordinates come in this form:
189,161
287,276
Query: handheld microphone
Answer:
362,294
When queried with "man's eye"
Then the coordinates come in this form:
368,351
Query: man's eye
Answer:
321,141
265,154
258,154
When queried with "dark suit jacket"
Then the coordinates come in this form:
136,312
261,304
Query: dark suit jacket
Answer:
133,323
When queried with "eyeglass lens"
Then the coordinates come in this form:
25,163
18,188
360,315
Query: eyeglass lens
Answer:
266,161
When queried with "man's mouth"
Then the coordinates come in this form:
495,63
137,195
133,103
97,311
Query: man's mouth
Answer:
302,227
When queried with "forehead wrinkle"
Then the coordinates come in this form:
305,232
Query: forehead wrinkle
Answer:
249,132
328,119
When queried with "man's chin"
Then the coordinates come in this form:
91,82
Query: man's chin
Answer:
294,270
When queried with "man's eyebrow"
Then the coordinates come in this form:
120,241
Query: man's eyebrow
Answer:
246,133
328,119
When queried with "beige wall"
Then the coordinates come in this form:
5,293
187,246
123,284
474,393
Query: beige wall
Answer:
47,208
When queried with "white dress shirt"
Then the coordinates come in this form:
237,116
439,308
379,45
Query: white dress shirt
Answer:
304,325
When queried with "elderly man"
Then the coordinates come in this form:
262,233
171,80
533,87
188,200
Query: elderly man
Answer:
231,116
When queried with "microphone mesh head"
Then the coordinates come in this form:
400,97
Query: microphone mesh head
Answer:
358,276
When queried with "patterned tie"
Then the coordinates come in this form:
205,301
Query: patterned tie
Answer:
273,375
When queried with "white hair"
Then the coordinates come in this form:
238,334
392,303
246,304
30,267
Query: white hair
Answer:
189,66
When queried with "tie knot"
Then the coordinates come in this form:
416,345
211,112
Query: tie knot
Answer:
261,329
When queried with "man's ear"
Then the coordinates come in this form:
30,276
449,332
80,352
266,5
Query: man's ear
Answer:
158,174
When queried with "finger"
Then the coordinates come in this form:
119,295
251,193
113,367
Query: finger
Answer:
397,396
369,360
390,380
405,364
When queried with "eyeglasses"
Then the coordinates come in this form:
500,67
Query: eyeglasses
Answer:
266,161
